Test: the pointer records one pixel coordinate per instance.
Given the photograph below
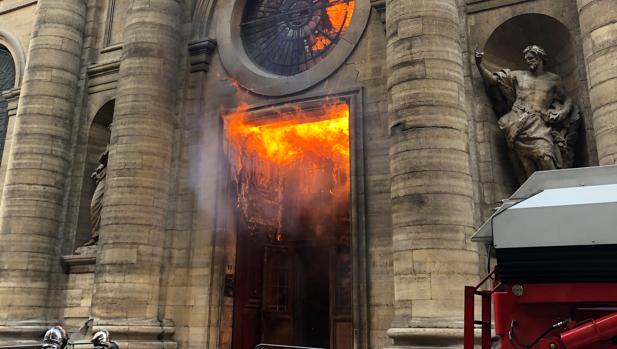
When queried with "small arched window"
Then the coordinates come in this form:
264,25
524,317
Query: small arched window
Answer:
7,82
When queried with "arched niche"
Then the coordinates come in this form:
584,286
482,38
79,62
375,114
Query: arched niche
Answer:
7,82
505,46
12,45
98,139
504,49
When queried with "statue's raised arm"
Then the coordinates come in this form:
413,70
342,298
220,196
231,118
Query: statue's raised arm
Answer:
487,75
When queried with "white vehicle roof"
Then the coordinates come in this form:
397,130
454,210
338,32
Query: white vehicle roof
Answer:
570,207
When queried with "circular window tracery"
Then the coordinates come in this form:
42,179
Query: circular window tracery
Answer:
287,37
308,41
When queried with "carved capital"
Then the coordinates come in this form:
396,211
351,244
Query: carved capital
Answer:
200,53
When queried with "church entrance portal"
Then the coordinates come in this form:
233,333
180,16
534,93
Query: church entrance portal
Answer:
293,259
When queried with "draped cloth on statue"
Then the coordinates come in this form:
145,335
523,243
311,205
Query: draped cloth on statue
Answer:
96,205
528,131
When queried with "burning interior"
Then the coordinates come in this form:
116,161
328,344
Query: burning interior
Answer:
291,172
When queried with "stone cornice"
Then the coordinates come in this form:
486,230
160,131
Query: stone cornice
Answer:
200,53
10,94
484,5
15,5
106,68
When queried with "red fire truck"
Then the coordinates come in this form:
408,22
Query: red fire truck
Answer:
554,285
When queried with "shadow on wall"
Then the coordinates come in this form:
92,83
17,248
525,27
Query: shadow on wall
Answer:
504,49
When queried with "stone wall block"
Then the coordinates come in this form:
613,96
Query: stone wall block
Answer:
436,160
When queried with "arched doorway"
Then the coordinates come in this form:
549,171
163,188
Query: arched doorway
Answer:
293,254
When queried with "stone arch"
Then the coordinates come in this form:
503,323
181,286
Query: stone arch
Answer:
98,139
202,18
505,45
7,82
11,43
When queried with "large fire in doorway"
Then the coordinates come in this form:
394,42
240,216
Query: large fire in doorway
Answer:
294,157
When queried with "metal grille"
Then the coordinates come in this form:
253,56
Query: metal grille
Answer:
287,37
7,81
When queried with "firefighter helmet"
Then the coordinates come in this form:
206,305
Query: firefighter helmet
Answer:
55,338
101,339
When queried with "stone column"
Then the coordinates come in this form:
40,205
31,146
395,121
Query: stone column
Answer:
431,186
127,279
31,213
599,32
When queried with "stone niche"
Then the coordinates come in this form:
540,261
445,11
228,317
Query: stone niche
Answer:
503,32
504,49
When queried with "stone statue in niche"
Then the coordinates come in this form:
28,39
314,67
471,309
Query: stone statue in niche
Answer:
96,204
539,121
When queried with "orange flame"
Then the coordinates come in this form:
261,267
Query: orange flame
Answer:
294,137
339,16
300,158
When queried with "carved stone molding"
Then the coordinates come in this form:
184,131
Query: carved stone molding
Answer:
380,6
484,5
78,264
107,68
12,98
200,53
103,76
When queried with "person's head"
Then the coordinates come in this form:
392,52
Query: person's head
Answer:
534,56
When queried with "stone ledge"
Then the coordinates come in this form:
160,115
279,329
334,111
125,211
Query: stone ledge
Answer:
430,337
115,47
431,334
100,69
200,54
27,333
78,264
144,334
474,6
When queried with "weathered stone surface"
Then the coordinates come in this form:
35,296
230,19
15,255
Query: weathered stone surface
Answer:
127,278
429,162
35,184
431,186
599,33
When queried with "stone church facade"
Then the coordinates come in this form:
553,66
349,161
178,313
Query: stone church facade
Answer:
195,248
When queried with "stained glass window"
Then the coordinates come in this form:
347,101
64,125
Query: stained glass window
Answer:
287,37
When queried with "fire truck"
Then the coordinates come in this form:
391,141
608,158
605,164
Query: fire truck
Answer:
553,285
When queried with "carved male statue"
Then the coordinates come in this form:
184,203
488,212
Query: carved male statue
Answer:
538,119
96,204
